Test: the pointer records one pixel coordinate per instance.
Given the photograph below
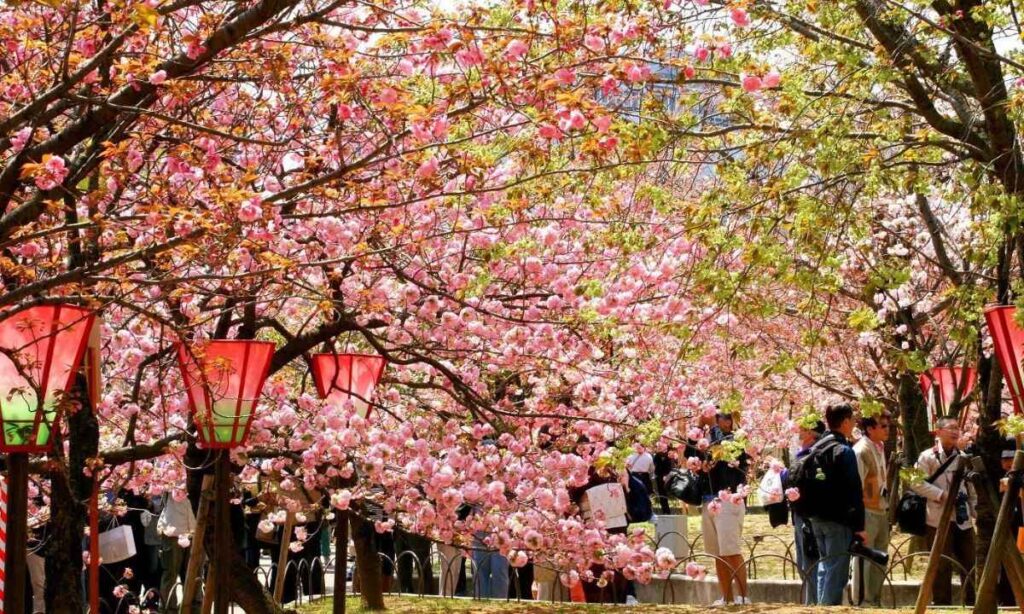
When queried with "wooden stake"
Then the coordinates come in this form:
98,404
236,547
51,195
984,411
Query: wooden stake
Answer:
282,557
1012,560
197,553
208,594
924,595
986,600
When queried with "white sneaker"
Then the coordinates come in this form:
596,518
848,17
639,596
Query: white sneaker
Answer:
742,600
718,603
631,600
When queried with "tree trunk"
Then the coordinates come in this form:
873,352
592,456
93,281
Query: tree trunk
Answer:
989,447
990,380
248,593
914,415
367,563
70,491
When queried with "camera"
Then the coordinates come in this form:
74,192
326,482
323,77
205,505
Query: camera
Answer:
857,548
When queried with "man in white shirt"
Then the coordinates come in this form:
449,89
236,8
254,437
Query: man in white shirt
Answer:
641,465
960,542
872,466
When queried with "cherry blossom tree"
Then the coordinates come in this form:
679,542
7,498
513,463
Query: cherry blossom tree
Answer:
461,195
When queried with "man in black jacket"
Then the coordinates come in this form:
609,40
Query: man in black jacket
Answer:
836,523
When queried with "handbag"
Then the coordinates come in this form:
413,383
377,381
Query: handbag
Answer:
778,514
685,486
117,544
912,511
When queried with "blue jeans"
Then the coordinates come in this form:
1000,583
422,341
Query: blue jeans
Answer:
808,572
834,569
490,573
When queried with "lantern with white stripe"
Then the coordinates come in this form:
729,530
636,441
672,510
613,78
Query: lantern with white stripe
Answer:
340,377
945,386
41,349
224,379
1008,339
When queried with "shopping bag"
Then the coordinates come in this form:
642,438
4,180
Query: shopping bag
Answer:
117,544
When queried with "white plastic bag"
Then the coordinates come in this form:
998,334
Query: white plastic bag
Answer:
117,544
770,490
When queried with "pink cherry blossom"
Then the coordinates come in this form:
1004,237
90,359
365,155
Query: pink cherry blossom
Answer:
428,168
739,17
21,138
250,211
565,76
751,83
516,50
772,79
158,77
594,42
387,96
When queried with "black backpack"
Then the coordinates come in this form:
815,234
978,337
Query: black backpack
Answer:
685,485
638,501
809,475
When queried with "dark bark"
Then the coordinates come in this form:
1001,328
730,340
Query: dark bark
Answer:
990,406
914,416
367,564
247,592
70,493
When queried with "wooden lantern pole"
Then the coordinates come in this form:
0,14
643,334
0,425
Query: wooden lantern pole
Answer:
17,532
197,555
1011,557
986,599
282,557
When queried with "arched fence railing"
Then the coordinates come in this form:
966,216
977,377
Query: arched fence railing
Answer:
310,579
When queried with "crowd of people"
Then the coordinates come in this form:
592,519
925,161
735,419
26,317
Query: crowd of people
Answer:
850,506
838,494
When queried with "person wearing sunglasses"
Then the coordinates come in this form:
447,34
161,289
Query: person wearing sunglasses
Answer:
873,469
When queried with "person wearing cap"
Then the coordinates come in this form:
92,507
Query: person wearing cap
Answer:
811,429
723,528
1006,461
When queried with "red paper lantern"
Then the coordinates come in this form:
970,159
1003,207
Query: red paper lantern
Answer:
342,377
1008,340
940,386
224,379
41,348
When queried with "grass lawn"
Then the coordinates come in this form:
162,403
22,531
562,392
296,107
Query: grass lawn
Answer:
415,605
